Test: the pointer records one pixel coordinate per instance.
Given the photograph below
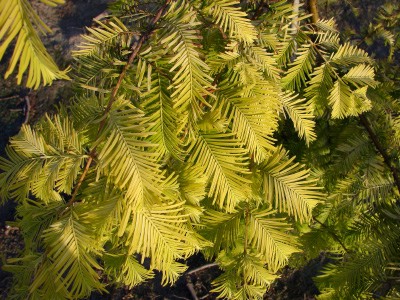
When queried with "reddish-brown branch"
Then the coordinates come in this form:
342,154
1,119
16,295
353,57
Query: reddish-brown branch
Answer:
135,51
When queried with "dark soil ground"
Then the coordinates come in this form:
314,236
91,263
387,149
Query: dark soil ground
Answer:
68,22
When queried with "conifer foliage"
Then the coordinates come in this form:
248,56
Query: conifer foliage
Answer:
168,147
18,21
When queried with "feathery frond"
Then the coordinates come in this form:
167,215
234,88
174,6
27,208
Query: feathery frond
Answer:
229,16
348,54
191,74
123,155
72,251
287,187
44,163
253,115
159,109
15,23
266,61
226,165
301,113
160,233
126,269
222,229
105,35
299,70
345,102
268,235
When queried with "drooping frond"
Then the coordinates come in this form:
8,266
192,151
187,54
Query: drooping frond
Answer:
159,109
352,150
228,15
365,269
96,72
222,229
192,188
253,115
226,165
160,232
326,25
87,110
23,268
285,52
320,84
377,190
268,40
126,269
15,22
266,62
229,59
225,285
42,286
299,70
72,252
123,155
288,188
190,73
346,102
361,75
39,216
289,39
245,276
268,235
301,113
246,74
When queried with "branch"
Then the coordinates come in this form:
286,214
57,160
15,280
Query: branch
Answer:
27,109
135,51
313,8
191,289
211,265
9,98
382,151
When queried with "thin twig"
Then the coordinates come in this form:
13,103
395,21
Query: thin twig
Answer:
27,109
333,234
135,50
211,265
178,297
8,98
191,289
78,185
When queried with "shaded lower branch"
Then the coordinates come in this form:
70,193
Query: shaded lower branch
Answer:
382,151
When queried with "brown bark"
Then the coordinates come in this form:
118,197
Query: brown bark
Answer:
313,8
